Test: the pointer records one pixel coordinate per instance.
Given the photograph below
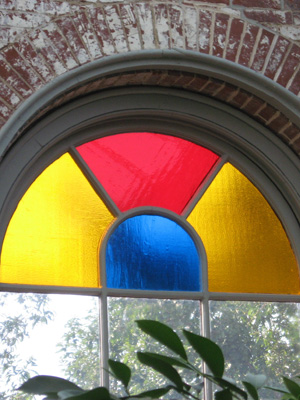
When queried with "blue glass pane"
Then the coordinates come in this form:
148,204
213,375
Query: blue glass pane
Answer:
152,252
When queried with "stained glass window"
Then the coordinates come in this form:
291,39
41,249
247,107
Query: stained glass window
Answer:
150,213
61,221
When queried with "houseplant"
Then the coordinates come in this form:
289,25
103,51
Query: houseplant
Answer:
170,367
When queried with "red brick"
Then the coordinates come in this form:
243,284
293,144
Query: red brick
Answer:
220,31
4,110
185,79
240,98
67,27
162,25
289,66
226,92
262,50
295,86
25,48
259,3
191,29
215,1
248,44
276,57
278,123
127,13
212,87
253,105
236,30
16,61
8,4
176,20
116,28
154,78
43,46
60,45
275,17
293,4
292,132
87,35
8,96
102,31
205,26
198,83
144,16
267,112
7,73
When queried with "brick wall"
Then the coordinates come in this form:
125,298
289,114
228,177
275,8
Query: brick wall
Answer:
42,39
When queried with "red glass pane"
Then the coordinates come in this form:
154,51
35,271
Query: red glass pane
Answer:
148,169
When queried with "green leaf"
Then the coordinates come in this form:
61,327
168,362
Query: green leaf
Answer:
228,385
44,384
155,393
276,389
164,334
121,371
256,380
65,394
162,367
172,360
223,395
292,386
209,351
100,393
251,390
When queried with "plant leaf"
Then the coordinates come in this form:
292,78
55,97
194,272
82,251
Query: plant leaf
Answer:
164,334
100,393
162,367
292,386
223,395
121,371
45,384
155,393
172,360
256,380
65,394
228,385
251,390
209,351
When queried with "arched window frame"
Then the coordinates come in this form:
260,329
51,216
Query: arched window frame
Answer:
251,148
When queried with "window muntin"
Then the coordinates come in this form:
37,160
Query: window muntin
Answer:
59,222
102,210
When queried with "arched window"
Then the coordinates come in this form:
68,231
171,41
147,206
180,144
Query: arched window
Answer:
106,197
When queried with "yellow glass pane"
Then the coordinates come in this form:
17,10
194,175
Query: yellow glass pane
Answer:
54,234
246,245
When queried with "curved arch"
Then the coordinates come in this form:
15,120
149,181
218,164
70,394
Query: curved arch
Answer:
250,147
86,77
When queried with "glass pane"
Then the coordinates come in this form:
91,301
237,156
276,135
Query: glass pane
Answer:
246,245
48,335
54,234
148,169
152,252
126,338
260,338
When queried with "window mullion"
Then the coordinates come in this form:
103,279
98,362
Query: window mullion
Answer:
104,340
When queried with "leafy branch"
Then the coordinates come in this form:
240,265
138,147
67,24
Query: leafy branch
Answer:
171,368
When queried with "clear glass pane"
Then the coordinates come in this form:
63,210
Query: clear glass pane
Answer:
260,338
126,338
48,335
